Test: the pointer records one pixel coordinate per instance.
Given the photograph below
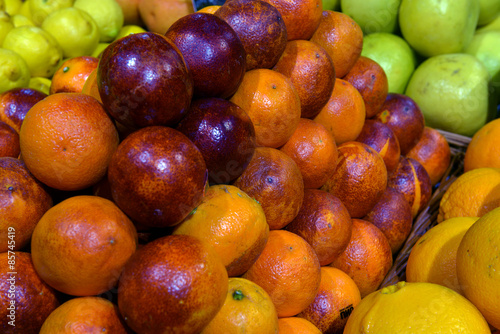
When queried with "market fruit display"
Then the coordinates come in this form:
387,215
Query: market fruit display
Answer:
258,166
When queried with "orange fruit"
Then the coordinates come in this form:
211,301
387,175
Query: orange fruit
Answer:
275,181
23,201
314,150
403,115
70,77
482,150
211,9
81,244
341,37
367,258
380,137
433,152
159,15
369,78
478,266
412,180
344,114
15,103
232,222
288,270
433,258
311,72
472,194
296,325
272,103
67,140
301,16
392,215
338,295
360,178
26,300
9,141
85,315
261,29
247,309
324,222
174,284
415,308
90,86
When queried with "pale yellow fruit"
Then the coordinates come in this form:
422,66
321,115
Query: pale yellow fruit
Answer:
407,307
20,20
13,6
75,31
107,14
129,29
41,84
40,9
433,257
472,194
478,265
14,71
39,49
6,25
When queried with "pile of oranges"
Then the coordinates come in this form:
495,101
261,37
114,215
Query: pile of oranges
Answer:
264,183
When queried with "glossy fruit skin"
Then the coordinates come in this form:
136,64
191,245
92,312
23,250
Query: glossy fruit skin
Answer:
34,299
224,134
213,53
15,103
403,115
143,80
261,29
174,284
157,176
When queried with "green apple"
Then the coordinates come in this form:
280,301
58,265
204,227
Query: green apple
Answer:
488,11
452,91
394,55
14,71
434,27
39,49
486,47
331,5
373,15
75,31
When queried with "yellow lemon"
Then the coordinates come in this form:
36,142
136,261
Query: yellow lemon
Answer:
40,9
20,20
421,307
5,25
129,29
472,194
41,84
107,14
14,71
39,49
75,31
433,257
13,6
478,265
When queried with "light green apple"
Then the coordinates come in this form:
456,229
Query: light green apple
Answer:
394,55
434,27
488,11
331,5
452,91
373,15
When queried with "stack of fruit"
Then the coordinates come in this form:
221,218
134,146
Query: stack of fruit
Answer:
253,166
